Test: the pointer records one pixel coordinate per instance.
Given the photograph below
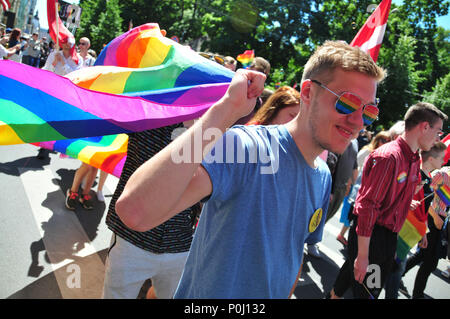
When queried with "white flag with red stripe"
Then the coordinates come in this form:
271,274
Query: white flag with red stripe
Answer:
370,36
5,4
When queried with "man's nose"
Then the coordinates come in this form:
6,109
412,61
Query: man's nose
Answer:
356,118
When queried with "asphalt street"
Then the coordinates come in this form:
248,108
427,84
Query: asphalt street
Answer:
48,251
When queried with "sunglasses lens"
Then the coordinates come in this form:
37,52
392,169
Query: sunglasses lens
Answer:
349,103
370,114
218,59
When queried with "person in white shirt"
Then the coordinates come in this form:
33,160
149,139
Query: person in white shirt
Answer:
4,52
61,62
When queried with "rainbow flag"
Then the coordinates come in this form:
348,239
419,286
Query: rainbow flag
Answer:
107,153
141,81
246,58
166,84
441,184
444,194
411,233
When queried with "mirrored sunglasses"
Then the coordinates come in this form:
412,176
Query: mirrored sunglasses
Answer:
348,103
215,58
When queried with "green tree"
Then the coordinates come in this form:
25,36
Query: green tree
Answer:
89,17
109,26
399,89
440,95
286,32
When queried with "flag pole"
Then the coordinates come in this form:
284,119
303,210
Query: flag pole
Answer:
57,25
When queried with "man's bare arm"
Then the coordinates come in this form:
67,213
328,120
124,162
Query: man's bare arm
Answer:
161,188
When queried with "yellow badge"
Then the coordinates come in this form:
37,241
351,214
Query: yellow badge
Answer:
315,220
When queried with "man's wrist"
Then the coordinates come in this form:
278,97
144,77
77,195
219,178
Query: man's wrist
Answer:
224,110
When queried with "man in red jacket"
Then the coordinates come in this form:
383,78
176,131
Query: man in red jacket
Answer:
391,174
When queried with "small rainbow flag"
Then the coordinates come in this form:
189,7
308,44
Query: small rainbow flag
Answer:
411,233
440,182
444,194
246,58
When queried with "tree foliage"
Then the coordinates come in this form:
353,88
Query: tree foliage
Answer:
440,95
286,32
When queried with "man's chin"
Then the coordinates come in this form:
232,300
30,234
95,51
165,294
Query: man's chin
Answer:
336,149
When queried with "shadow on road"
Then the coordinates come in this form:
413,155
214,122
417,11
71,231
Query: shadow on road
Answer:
47,287
326,269
31,163
62,238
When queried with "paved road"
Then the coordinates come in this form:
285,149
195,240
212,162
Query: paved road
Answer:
48,251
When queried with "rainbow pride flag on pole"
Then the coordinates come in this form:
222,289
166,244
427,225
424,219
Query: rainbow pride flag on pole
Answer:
141,81
246,58
411,233
441,184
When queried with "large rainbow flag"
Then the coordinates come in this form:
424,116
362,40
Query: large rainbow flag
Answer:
141,81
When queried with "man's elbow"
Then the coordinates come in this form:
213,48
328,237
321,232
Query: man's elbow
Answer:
130,215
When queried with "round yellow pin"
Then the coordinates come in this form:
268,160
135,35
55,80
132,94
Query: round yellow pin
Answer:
315,220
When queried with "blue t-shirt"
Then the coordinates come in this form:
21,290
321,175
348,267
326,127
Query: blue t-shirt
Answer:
250,237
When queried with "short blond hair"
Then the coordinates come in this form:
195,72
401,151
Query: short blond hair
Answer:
338,54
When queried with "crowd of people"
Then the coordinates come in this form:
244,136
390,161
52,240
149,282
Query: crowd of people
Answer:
246,243
223,229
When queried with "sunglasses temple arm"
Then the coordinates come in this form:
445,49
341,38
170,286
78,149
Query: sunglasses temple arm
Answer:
323,86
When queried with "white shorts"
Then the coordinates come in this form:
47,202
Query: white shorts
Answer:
128,267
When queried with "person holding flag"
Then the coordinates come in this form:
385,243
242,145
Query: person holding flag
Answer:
62,61
67,60
381,211
415,226
237,236
5,4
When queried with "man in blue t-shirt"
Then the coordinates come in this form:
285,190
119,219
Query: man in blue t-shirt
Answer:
265,189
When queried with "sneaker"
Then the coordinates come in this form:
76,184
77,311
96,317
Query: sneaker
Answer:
100,196
71,199
402,288
86,201
313,250
446,273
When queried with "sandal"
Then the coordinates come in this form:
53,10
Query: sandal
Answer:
342,240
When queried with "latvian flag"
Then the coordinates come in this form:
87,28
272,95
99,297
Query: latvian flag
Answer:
370,36
5,4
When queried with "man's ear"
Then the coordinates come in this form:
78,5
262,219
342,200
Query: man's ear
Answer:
305,93
424,126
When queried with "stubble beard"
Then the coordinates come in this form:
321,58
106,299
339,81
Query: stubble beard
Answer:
315,129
